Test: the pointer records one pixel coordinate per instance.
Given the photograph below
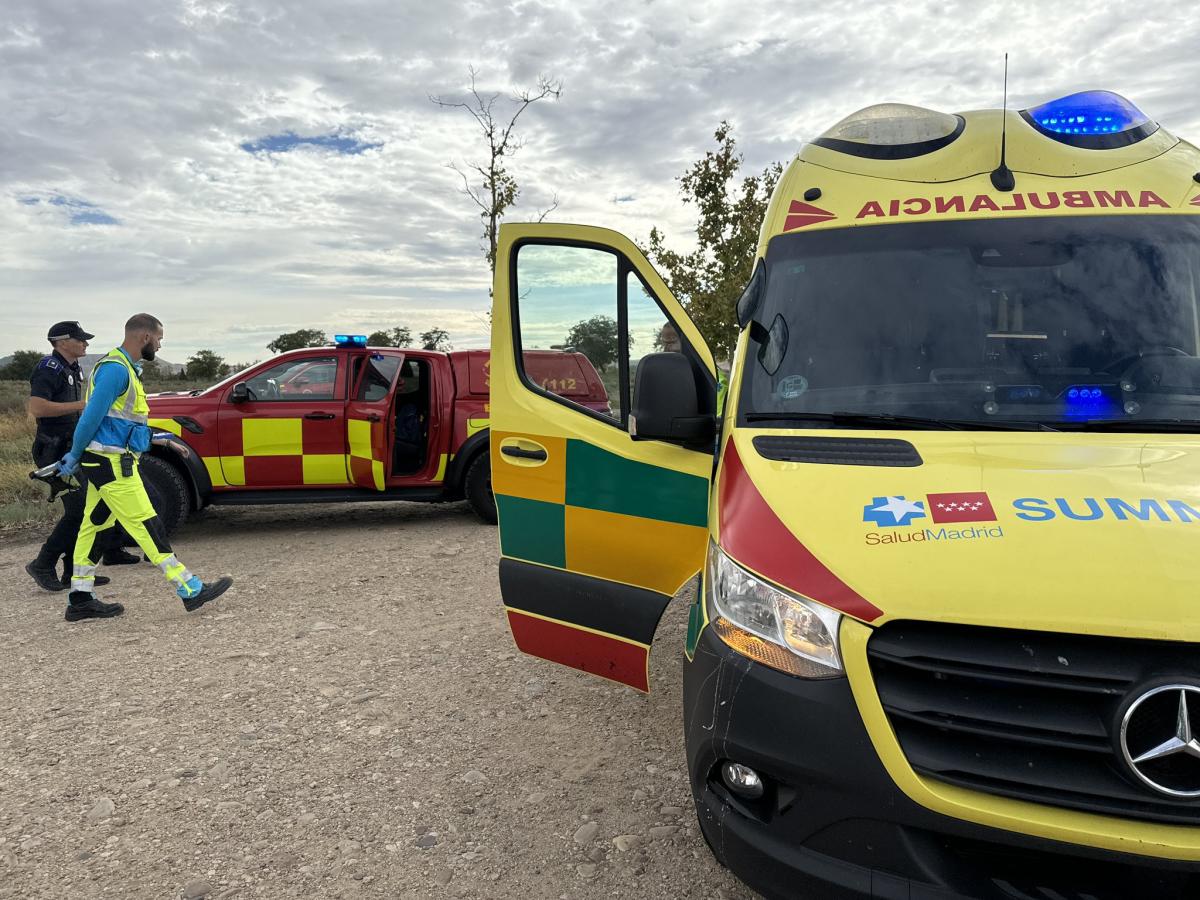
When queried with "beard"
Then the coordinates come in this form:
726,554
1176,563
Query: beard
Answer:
148,352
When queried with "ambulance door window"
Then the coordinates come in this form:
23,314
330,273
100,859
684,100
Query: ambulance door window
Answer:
649,330
567,301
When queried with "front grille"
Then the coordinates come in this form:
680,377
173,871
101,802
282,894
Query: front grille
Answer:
1024,714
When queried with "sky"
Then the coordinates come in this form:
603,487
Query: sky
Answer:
242,169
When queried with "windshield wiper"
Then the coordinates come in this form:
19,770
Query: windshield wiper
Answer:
885,420
1185,426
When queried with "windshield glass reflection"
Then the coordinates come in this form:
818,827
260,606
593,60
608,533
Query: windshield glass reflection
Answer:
1069,322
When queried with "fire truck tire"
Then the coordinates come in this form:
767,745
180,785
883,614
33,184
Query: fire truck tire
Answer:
478,487
168,492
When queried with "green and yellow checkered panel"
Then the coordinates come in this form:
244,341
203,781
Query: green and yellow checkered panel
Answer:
595,513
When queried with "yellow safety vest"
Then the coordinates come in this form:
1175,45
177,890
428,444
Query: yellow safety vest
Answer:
127,412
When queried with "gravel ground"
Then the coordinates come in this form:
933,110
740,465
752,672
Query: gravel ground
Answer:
350,720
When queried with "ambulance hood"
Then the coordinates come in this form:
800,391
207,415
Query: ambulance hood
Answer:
1083,533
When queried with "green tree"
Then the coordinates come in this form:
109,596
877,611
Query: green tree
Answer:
152,371
709,279
298,340
436,339
401,336
20,366
595,338
494,189
206,366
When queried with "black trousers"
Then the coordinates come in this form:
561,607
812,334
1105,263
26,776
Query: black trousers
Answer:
61,541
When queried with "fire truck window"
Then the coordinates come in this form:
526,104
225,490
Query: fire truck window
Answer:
566,321
377,380
307,379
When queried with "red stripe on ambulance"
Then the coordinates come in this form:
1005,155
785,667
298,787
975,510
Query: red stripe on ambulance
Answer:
1034,201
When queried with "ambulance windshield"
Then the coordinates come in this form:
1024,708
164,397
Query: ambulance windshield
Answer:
1071,322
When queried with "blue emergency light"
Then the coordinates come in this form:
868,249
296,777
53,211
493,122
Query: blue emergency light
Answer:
350,341
1089,401
1093,120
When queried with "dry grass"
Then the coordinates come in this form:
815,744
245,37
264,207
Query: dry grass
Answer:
23,503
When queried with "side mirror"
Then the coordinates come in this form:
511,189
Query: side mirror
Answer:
240,393
747,304
666,404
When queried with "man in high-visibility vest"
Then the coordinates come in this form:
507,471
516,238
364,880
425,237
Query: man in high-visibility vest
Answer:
112,433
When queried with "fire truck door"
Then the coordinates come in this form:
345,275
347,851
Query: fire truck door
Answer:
368,417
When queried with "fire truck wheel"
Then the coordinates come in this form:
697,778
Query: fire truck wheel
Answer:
478,488
167,490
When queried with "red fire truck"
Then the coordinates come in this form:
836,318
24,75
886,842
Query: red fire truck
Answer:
346,422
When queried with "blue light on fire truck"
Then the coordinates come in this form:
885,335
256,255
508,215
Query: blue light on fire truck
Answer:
350,341
1089,112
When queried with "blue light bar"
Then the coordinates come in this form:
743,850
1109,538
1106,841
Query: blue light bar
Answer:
1092,119
350,340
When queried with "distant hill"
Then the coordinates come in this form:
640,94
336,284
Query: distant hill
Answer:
169,368
88,361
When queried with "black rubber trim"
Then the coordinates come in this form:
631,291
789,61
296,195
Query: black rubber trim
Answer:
326,495
1094,141
179,452
477,443
607,606
839,451
521,453
892,151
188,424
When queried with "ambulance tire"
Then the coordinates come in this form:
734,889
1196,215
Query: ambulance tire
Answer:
168,492
478,487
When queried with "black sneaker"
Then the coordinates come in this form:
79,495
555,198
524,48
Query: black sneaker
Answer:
208,592
100,581
119,557
89,607
47,577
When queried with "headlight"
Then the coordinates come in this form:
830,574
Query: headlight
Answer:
760,621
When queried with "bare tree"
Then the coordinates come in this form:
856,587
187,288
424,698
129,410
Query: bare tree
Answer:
497,190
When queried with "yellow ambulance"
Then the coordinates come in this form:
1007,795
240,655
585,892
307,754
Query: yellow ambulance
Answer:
947,636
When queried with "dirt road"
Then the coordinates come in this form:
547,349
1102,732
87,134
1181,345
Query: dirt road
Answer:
351,720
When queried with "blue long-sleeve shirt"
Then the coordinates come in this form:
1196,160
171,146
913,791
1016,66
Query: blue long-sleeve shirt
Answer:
108,383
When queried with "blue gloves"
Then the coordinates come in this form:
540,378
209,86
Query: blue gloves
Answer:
68,465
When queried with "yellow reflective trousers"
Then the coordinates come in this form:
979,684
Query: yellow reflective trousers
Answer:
115,497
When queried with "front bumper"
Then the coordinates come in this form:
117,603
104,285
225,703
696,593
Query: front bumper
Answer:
834,824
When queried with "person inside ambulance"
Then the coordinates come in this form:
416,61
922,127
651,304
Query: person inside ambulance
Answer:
111,435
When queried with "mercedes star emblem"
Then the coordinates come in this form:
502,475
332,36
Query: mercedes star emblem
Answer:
1158,742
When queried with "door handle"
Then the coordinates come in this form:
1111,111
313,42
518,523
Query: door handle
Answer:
374,418
316,415
522,453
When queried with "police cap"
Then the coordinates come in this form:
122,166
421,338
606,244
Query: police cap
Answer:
63,330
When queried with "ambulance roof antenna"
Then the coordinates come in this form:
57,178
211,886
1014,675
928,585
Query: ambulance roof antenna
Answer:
1002,177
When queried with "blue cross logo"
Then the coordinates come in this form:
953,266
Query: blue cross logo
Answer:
892,512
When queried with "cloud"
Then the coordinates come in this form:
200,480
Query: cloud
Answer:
238,166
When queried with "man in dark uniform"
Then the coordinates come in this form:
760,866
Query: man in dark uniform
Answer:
56,390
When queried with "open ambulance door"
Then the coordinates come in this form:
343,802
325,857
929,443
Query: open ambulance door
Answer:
597,530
